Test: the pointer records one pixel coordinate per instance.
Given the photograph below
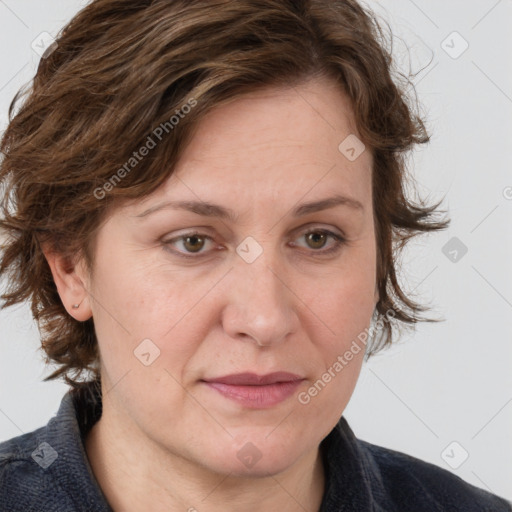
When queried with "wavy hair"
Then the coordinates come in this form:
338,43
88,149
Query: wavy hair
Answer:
122,68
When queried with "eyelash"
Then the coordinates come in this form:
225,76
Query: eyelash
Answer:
339,241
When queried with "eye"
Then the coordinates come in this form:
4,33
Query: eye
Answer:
190,245
317,239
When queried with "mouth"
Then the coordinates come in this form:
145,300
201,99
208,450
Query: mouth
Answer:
256,391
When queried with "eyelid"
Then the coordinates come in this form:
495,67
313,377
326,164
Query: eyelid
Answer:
168,242
339,240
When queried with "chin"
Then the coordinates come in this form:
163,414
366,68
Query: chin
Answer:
254,455
264,467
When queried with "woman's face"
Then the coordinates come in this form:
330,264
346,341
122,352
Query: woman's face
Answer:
182,296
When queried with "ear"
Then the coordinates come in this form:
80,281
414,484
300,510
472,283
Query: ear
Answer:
71,282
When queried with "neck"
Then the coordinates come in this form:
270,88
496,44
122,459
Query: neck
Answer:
136,474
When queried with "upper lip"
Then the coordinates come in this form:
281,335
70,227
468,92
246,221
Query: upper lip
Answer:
252,379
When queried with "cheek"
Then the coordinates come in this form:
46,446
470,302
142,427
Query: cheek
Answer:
345,314
339,320
133,304
339,330
136,296
344,299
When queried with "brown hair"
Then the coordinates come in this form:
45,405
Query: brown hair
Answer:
122,69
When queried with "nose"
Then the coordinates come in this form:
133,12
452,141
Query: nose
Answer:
261,305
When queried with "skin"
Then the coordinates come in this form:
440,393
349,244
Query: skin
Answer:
291,309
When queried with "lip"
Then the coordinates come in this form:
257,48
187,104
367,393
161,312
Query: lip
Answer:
252,379
256,391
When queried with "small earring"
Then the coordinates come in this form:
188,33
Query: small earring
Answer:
76,306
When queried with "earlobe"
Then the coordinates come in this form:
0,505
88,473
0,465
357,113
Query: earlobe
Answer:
70,284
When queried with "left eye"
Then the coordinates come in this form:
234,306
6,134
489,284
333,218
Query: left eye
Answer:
317,239
192,243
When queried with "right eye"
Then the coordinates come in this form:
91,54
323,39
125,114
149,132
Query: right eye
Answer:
192,243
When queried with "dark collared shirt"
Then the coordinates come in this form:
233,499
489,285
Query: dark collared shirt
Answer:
47,470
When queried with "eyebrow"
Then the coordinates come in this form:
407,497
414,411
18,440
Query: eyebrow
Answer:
207,209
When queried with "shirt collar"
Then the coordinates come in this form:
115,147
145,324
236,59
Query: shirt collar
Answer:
65,433
350,481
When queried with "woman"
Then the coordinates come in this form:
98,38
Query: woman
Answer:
203,202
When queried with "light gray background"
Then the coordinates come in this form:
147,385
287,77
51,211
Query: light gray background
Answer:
446,382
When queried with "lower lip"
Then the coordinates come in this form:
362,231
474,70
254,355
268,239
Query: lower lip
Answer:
257,397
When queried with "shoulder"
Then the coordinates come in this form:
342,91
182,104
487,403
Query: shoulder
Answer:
411,482
16,459
47,470
24,482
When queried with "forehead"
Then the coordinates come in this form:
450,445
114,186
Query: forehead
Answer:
276,144
311,115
